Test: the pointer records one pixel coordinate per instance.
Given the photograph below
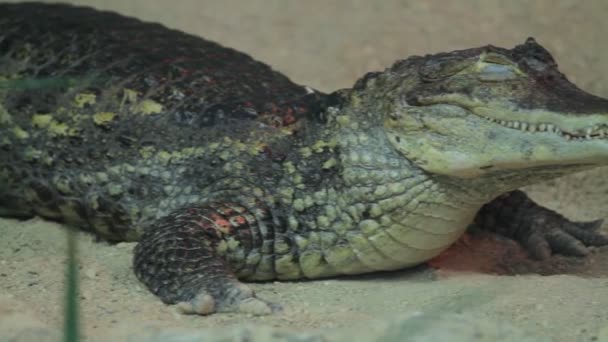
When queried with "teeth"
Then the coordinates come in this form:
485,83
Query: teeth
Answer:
597,131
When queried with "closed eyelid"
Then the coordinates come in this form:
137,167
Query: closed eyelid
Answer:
496,72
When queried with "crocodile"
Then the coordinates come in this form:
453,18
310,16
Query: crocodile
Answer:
224,170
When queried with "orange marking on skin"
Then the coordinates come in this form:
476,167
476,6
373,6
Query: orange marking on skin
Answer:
222,224
240,220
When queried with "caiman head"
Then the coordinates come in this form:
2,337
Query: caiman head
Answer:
489,110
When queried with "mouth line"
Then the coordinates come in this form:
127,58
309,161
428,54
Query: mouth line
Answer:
596,132
592,132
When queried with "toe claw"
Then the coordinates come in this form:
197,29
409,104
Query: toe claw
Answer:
591,225
587,233
203,304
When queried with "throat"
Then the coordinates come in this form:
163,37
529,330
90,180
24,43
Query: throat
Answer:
403,216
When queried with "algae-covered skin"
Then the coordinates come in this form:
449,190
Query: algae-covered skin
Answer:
224,169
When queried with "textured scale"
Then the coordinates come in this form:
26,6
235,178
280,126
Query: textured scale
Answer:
114,109
223,169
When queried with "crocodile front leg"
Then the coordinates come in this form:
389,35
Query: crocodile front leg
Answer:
185,259
541,231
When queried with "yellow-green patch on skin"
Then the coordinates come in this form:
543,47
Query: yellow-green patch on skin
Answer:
253,258
341,257
368,227
60,129
280,246
329,163
313,265
54,127
62,185
327,239
286,268
366,253
343,120
297,179
320,145
225,155
5,117
301,242
305,152
221,248
239,146
214,146
330,212
84,99
286,194
233,244
323,221
308,201
102,177
146,151
20,133
86,179
294,224
164,157
42,120
115,189
257,148
289,167
103,118
265,268
129,96
375,210
258,192
148,106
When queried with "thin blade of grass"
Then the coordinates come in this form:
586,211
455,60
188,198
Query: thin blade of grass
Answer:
71,319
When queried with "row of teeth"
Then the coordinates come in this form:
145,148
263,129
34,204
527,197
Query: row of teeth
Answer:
590,133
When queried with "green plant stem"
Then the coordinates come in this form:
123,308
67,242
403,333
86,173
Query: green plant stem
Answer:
71,323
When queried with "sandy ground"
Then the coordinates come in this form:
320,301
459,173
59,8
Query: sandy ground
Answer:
328,46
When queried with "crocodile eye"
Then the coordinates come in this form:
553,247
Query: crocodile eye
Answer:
496,72
495,67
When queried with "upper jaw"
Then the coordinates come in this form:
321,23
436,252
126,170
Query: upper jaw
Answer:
569,126
587,133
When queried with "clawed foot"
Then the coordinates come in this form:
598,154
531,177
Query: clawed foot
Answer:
541,231
550,234
239,298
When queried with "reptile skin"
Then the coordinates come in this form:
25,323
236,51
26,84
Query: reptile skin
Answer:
224,169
